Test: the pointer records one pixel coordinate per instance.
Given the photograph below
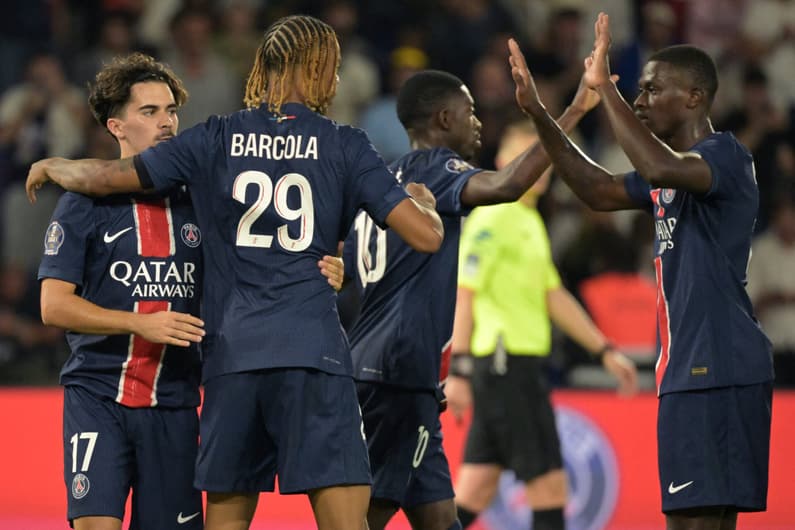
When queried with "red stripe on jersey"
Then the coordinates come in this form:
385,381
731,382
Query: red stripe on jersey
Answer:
663,326
141,370
154,226
444,367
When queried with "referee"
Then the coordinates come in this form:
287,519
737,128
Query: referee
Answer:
509,294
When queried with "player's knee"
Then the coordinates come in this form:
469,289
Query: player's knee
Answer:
549,490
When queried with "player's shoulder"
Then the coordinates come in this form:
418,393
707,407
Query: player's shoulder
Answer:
722,144
430,162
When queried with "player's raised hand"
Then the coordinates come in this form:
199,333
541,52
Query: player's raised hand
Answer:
597,67
37,177
586,97
526,92
421,194
168,327
623,369
333,269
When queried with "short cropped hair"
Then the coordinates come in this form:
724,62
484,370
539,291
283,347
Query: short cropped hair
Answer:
696,62
422,95
111,88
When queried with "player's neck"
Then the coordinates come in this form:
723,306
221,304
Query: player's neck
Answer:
690,134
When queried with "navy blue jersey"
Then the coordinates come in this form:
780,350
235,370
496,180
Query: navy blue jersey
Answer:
273,193
707,334
129,253
403,333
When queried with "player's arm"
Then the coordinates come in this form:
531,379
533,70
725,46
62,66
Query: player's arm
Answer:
457,390
61,307
570,317
415,219
658,164
511,181
89,176
590,182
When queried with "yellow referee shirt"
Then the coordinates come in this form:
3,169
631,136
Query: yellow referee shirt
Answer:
507,262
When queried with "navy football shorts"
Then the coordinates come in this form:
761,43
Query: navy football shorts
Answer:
303,425
713,447
513,422
110,448
404,437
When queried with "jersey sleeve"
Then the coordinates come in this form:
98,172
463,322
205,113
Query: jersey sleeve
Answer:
372,187
639,191
179,160
479,251
67,239
448,180
730,163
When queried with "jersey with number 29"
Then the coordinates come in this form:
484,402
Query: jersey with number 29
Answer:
403,333
273,194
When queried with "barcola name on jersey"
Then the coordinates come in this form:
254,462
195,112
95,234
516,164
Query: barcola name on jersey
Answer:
273,147
156,279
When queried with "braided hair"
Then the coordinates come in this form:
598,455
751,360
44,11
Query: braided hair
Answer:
297,41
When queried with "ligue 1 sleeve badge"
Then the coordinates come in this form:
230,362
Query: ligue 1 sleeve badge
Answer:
80,486
191,235
53,239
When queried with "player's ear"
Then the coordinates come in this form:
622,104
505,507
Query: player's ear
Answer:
696,98
115,127
443,116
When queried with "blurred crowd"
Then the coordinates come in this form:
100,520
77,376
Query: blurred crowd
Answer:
50,49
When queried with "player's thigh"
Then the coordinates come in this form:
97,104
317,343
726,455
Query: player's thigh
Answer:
704,518
380,512
236,453
714,448
438,515
98,455
163,491
315,421
340,507
476,485
97,523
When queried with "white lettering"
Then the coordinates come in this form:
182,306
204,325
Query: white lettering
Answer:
126,267
273,147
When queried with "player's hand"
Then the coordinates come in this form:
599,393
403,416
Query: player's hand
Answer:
37,177
421,194
587,98
597,67
333,269
458,392
526,92
623,369
168,327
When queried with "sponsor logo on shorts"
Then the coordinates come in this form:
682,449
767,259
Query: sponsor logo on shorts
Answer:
590,463
182,519
676,489
80,486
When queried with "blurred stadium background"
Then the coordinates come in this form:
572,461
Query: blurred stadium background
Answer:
50,49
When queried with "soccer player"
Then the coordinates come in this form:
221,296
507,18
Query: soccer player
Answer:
401,339
714,370
122,275
509,294
275,187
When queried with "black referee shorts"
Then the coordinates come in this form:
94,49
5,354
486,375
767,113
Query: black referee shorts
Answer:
513,424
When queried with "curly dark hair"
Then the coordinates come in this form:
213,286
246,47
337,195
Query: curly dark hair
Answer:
111,88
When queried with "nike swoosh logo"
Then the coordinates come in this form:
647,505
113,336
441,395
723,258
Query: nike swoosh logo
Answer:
183,520
675,489
110,239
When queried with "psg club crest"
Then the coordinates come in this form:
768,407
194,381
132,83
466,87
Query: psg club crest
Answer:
53,239
456,165
191,235
80,486
668,195
592,471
